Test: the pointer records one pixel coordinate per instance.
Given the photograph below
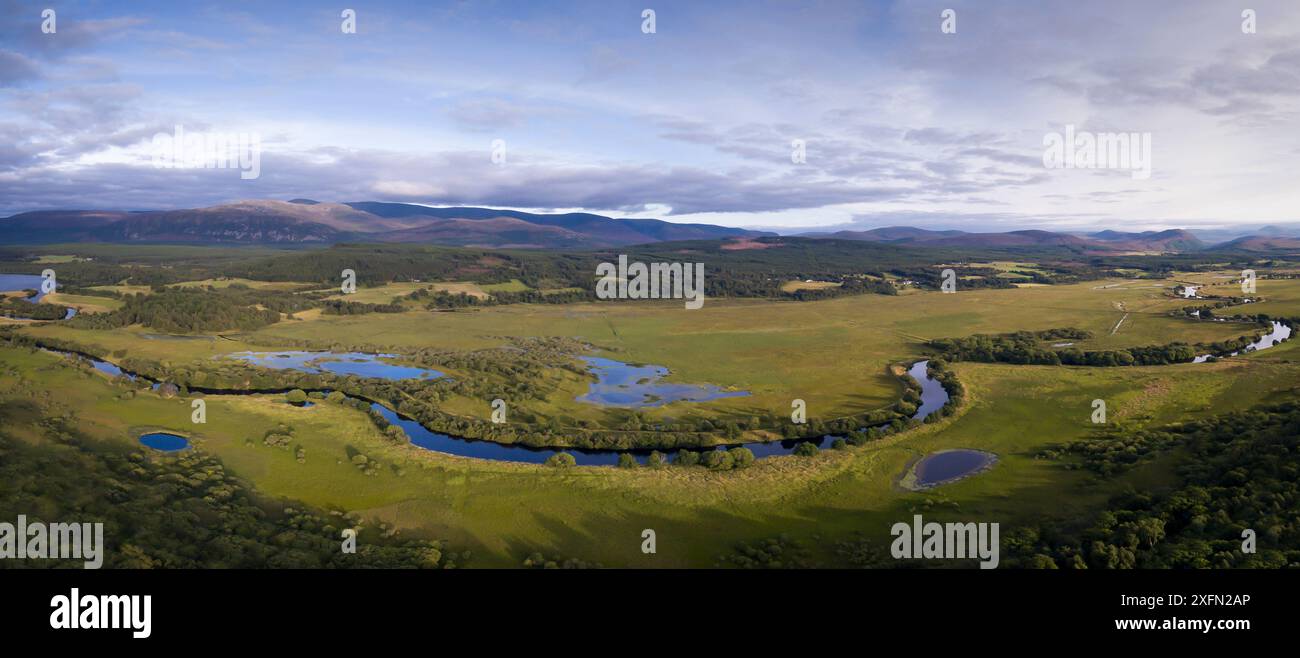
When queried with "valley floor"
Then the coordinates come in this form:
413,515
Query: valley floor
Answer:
832,353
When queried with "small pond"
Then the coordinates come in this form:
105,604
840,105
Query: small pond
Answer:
164,441
947,466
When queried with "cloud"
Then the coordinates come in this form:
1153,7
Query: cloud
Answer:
487,114
16,68
698,118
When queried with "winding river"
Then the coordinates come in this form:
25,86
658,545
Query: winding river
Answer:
1280,332
20,282
933,397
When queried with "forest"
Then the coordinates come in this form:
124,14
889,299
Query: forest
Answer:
182,310
1241,473
13,307
860,267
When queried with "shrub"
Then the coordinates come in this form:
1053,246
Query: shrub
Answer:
719,460
561,460
626,460
806,449
742,456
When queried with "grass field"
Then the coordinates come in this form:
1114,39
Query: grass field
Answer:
384,294
83,303
832,353
505,511
256,285
795,286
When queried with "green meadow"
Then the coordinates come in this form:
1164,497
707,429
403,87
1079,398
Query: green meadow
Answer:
833,353
507,511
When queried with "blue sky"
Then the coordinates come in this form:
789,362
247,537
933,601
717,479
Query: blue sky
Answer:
903,124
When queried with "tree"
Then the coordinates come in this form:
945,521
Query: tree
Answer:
687,458
719,460
561,460
626,460
806,449
742,456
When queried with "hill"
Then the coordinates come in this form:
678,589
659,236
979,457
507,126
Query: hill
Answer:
305,221
1174,240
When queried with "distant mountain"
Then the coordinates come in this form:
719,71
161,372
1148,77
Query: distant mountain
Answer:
908,235
305,221
1222,235
1288,231
1170,240
888,234
57,225
1262,243
1175,240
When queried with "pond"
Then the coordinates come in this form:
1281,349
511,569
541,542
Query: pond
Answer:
948,466
164,441
621,384
360,364
1280,333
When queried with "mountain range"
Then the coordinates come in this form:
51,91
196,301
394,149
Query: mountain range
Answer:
1270,238
305,221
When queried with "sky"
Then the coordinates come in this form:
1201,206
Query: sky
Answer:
903,119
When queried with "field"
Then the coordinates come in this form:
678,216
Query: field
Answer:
598,513
833,353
